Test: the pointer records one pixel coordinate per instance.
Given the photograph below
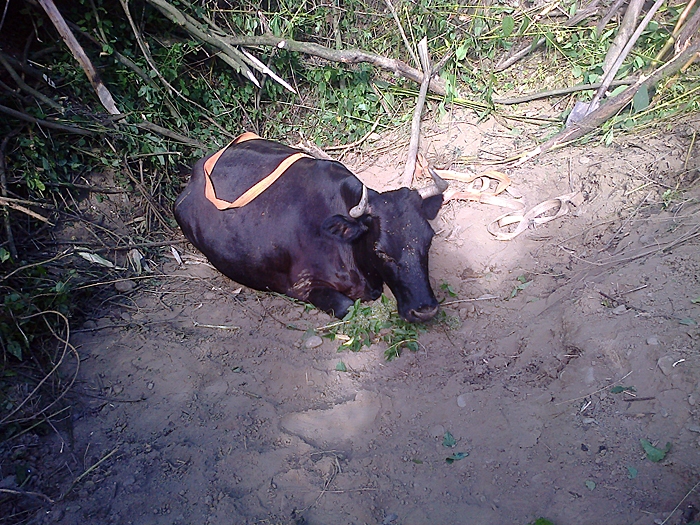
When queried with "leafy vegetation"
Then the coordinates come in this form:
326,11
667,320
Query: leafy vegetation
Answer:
366,324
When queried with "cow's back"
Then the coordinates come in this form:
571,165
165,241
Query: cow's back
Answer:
258,244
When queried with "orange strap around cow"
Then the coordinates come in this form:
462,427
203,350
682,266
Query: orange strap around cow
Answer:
255,190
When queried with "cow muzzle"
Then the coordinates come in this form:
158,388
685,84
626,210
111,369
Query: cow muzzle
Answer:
423,314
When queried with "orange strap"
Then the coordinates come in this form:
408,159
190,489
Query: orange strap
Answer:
254,191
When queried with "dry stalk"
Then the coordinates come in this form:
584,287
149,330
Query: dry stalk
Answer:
428,72
76,49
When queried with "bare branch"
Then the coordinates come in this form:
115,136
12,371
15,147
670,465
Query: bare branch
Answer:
346,56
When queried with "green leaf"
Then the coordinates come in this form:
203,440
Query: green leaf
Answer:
641,99
655,454
456,457
448,440
14,348
688,322
340,367
461,52
632,472
542,521
621,389
590,485
694,301
507,26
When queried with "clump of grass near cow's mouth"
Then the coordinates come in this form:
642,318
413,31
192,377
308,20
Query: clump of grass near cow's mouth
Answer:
369,323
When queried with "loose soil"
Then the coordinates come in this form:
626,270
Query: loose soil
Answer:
201,402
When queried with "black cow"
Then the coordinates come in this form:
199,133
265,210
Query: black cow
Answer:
307,237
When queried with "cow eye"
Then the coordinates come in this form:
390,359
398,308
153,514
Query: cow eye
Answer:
384,256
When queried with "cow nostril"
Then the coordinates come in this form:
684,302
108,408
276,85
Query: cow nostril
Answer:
424,313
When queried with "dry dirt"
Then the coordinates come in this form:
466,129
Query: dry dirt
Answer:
197,424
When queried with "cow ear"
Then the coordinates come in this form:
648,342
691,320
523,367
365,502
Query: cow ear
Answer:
343,228
431,206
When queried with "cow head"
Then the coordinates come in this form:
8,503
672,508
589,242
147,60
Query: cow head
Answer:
391,237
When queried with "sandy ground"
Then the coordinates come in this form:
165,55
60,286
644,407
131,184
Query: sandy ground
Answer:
254,424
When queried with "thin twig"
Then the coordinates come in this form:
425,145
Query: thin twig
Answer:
88,471
346,147
46,123
403,34
24,87
61,255
581,14
681,502
596,391
66,347
27,493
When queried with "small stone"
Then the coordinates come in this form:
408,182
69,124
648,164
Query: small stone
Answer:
584,160
117,389
150,386
462,401
391,518
437,431
692,400
89,324
620,309
653,340
665,363
313,342
466,311
374,137
124,286
694,428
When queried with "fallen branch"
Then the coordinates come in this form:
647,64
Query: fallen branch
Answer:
45,123
24,87
76,49
174,135
580,16
428,71
627,27
616,57
345,56
560,91
237,59
18,207
613,105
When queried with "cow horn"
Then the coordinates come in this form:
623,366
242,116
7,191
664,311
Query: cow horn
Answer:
439,186
363,205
